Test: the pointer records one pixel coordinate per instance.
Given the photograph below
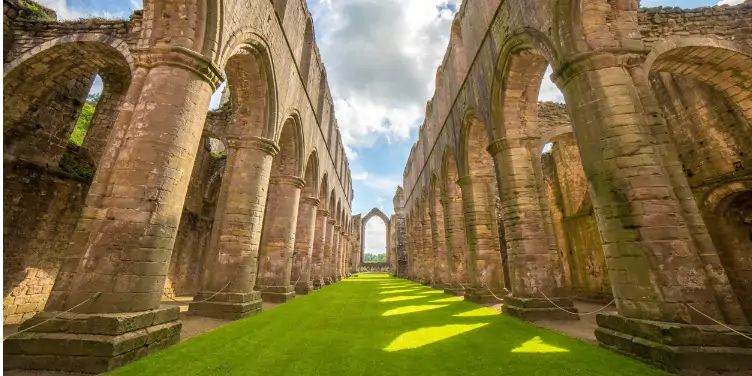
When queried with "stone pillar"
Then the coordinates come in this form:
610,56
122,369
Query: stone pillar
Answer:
115,269
418,252
429,251
655,266
328,247
531,246
454,232
336,253
231,258
481,229
317,261
304,239
278,239
440,255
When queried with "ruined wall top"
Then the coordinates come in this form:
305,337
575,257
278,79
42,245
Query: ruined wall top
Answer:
719,22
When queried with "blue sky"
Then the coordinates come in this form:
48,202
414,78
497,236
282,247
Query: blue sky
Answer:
381,57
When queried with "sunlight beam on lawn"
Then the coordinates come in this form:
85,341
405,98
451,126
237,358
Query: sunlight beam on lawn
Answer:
450,299
536,345
477,313
400,298
431,292
426,336
413,308
397,291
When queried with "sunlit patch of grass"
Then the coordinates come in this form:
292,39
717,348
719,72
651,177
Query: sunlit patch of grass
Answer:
400,298
398,291
431,292
480,312
536,345
450,299
425,336
412,309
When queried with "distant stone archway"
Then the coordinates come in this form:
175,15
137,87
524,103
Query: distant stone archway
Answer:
378,213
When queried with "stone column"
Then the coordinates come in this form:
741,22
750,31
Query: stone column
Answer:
418,253
429,251
278,239
533,259
317,261
655,266
456,248
336,253
440,255
481,229
231,259
328,246
115,269
304,239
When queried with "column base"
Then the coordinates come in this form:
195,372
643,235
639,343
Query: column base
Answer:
303,288
227,306
278,294
454,290
328,281
679,348
439,286
534,309
483,296
318,283
91,343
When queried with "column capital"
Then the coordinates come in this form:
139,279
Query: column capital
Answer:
500,144
288,180
180,57
331,221
252,142
313,201
322,213
578,64
337,227
468,179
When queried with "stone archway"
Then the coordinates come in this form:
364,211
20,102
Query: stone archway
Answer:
371,214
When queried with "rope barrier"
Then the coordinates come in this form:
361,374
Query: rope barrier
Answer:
53,317
202,301
577,313
720,323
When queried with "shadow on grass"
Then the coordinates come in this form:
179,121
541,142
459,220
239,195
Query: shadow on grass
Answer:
353,328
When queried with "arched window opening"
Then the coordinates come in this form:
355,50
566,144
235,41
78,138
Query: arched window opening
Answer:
375,242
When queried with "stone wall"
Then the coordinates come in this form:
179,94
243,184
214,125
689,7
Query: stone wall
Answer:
40,210
717,22
375,267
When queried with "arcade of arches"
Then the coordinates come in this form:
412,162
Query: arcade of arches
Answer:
638,190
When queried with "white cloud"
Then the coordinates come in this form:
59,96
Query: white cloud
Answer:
549,91
375,239
67,12
730,2
381,58
382,184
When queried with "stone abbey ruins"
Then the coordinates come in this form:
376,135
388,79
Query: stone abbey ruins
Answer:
642,195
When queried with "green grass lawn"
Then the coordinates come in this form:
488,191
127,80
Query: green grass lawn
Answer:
377,325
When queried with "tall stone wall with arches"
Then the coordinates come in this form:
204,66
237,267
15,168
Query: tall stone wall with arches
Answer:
622,202
247,203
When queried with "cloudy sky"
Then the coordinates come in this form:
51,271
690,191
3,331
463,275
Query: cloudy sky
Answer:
381,57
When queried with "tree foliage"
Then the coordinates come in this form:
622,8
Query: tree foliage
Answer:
82,125
373,258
